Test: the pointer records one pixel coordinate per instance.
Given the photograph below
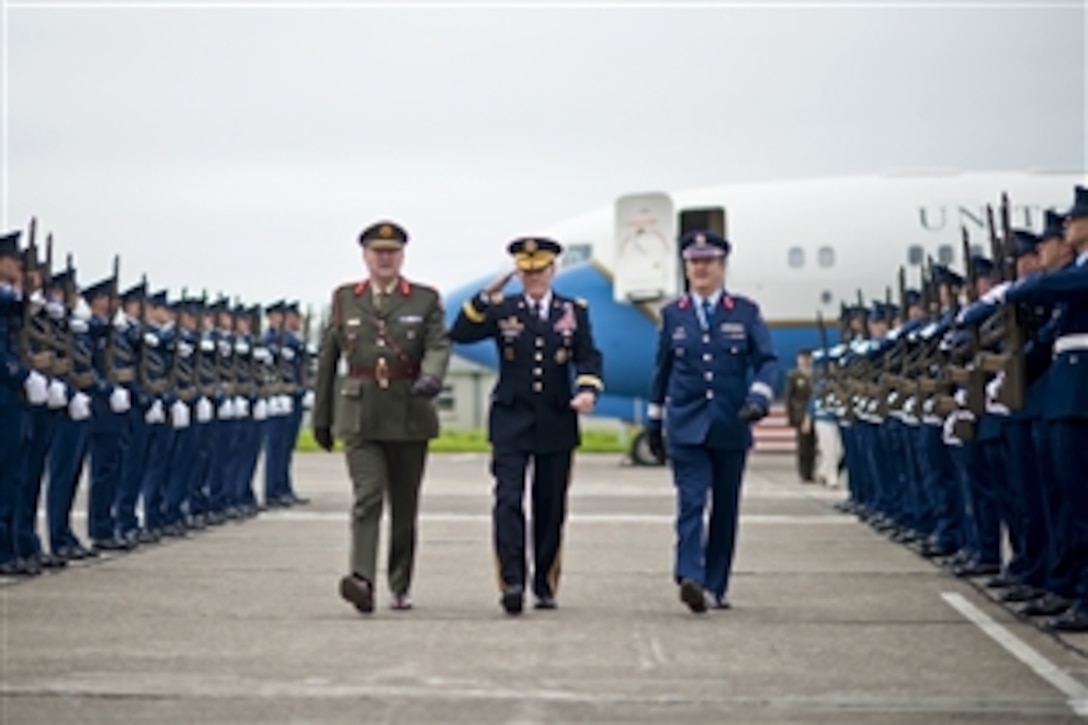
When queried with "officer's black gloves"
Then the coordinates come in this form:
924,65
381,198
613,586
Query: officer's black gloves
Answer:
426,386
751,412
656,440
323,436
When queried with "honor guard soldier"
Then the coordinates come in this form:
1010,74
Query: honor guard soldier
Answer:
1065,406
544,340
389,336
15,380
710,344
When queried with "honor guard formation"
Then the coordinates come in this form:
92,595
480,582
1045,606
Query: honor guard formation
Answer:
962,414
169,401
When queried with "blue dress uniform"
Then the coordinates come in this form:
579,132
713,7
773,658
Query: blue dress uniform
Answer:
138,439
714,374
13,374
41,424
1065,408
531,418
70,445
157,341
111,415
183,361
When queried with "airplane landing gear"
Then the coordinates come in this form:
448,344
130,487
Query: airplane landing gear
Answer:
640,451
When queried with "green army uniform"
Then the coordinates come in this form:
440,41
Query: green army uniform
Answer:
385,343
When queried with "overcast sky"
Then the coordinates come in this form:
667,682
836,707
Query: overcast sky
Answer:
243,150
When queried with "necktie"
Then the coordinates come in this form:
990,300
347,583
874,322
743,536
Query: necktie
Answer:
379,298
708,311
534,308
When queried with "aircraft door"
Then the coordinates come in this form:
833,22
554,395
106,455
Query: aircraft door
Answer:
693,220
646,258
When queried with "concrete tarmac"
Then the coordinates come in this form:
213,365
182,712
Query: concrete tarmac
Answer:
242,623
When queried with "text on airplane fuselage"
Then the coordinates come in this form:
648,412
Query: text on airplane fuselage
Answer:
942,217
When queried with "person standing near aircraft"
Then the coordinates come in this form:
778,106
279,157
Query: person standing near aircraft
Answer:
541,336
798,396
702,406
391,334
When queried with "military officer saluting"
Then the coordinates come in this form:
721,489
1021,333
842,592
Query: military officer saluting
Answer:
710,344
391,335
544,340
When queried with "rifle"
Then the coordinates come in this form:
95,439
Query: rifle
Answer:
113,306
141,364
1010,330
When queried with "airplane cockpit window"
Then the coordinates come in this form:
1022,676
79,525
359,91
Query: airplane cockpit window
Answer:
576,253
796,257
944,254
826,257
915,255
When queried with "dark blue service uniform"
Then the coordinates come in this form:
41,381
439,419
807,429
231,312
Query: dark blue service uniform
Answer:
547,355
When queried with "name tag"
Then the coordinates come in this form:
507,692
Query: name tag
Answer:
410,319
353,322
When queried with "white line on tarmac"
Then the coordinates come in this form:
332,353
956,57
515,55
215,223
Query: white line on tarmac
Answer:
1040,665
450,518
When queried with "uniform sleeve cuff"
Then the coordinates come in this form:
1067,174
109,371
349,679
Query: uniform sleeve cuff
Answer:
762,390
591,382
472,313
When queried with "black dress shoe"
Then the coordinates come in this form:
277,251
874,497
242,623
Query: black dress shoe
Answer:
976,569
299,500
51,561
107,544
359,592
1001,581
28,567
693,595
513,599
1073,620
1047,605
546,602
1021,593
9,568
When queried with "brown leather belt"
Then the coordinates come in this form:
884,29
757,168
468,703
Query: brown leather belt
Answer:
391,372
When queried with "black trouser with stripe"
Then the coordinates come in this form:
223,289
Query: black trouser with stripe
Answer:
551,478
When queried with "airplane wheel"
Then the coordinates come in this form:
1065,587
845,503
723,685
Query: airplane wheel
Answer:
640,452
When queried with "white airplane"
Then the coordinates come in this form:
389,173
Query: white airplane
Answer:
799,248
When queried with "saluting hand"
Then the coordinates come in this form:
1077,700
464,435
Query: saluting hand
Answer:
499,283
583,402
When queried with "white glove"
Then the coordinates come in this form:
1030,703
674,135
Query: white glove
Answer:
184,349
37,302
908,407
207,345
155,414
929,406
308,400
241,347
226,410
241,407
151,340
260,410
58,395
120,402
961,397
37,388
55,310
80,407
287,353
179,415
120,320
204,410
996,294
77,325
262,355
993,388
287,405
